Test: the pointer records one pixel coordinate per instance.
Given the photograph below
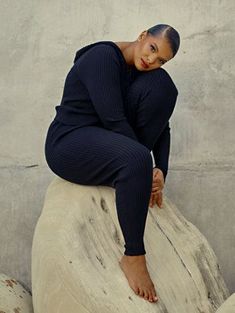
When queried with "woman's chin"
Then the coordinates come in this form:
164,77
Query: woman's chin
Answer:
140,67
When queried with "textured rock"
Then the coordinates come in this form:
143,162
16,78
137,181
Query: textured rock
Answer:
228,306
13,296
77,245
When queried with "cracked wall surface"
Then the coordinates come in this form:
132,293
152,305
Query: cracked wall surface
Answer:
38,44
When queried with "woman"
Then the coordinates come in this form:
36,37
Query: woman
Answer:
115,110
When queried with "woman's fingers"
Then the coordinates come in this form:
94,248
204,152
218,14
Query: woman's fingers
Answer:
158,181
156,191
151,202
159,199
153,198
158,188
156,199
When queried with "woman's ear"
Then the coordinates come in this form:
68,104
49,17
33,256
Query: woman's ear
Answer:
142,35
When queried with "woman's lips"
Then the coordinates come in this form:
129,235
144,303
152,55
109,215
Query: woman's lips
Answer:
144,64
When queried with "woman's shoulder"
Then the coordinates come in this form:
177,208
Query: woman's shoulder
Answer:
99,51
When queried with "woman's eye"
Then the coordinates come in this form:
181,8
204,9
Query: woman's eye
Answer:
152,47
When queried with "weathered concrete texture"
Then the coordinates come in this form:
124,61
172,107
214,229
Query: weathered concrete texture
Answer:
38,42
22,192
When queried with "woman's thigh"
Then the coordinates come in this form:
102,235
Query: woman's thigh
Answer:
92,155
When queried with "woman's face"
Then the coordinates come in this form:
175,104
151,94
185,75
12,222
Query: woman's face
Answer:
151,52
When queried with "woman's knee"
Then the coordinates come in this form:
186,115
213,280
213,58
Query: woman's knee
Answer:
161,80
139,160
154,81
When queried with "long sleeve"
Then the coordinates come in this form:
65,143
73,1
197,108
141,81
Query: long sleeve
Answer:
161,150
99,71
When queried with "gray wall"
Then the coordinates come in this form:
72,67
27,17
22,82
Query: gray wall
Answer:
38,43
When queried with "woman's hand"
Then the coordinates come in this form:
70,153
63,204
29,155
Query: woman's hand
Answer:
158,185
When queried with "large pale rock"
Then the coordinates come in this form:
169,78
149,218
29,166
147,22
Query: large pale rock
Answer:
228,306
13,296
77,245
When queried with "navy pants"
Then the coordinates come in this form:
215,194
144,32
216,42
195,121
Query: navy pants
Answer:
94,155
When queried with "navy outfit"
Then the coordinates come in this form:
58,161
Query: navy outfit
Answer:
110,118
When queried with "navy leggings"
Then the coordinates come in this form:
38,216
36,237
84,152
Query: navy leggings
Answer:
94,155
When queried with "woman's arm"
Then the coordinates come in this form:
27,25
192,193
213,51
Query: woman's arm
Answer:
99,71
161,150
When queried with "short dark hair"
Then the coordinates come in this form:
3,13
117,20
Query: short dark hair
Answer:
169,33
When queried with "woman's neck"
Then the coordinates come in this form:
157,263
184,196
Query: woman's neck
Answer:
127,49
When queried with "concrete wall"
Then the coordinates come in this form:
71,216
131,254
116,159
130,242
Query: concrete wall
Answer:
38,43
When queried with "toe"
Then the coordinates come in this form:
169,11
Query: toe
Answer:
155,298
141,292
146,294
136,290
151,297
154,294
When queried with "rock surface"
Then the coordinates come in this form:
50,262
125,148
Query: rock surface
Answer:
13,296
228,306
77,245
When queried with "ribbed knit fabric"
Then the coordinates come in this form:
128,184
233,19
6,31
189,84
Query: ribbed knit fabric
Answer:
110,117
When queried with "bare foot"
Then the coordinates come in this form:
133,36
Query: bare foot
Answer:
136,272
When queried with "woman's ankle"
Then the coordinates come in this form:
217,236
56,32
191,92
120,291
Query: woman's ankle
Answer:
133,258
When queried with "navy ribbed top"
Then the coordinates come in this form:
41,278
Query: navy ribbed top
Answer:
94,93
